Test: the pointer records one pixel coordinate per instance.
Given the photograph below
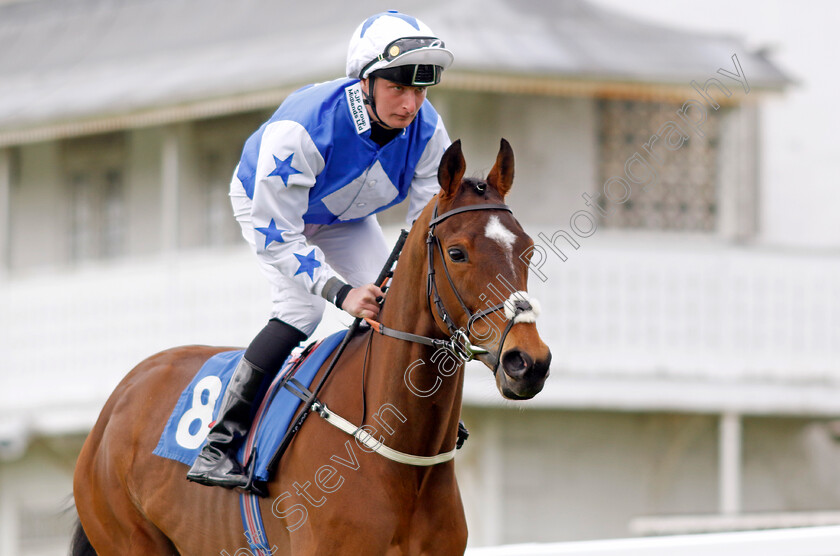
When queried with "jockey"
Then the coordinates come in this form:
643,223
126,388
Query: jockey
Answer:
306,191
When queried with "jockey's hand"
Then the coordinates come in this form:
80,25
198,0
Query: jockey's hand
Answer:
361,302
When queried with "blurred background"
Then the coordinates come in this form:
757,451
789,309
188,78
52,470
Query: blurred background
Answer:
694,317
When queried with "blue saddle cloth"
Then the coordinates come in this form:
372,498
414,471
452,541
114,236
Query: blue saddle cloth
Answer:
186,430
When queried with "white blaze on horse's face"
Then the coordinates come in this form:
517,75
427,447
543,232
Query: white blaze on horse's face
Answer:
496,231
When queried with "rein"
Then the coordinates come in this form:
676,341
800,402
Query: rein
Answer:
458,342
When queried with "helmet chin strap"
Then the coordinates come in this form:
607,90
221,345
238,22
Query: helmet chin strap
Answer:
368,100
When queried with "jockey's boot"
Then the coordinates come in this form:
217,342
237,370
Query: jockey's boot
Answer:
217,463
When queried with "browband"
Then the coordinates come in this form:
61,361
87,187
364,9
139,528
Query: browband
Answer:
438,219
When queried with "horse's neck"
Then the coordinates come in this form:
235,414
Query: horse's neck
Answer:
431,403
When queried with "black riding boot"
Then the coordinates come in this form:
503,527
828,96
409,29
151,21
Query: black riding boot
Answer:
217,463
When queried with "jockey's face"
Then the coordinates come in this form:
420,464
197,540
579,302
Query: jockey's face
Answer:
397,105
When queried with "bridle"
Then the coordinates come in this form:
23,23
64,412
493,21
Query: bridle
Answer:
458,342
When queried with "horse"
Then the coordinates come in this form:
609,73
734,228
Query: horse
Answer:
401,379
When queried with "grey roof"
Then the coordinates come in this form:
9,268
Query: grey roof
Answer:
71,60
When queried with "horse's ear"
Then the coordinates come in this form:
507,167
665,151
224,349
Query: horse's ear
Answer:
501,176
451,169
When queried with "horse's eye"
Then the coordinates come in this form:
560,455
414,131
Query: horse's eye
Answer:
457,255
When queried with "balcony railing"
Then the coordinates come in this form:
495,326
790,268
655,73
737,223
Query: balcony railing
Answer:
662,323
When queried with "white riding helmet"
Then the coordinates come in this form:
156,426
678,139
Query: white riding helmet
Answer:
395,40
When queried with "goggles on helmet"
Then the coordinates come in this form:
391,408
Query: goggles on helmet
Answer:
420,74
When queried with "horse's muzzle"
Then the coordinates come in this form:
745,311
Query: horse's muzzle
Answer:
522,376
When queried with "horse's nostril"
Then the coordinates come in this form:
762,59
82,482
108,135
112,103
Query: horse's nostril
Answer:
516,363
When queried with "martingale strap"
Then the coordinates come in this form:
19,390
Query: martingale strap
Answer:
380,448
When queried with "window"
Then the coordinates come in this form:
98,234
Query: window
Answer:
219,144
220,228
96,182
684,198
9,182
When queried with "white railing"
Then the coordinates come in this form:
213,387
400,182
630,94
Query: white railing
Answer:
811,541
654,314
67,340
692,308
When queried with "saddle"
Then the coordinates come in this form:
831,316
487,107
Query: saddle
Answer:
188,425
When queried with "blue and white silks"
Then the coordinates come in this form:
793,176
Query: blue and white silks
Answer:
314,163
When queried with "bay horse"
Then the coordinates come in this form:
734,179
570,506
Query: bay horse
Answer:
329,495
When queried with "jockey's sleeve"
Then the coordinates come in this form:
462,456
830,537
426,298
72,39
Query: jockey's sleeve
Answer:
425,185
287,164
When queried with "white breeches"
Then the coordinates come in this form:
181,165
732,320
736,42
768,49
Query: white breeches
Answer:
356,250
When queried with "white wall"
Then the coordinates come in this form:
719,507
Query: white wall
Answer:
36,512
800,164
546,475
808,541
553,140
534,475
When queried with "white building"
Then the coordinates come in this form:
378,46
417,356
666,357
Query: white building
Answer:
695,366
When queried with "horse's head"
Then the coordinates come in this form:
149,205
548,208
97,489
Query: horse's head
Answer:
479,285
